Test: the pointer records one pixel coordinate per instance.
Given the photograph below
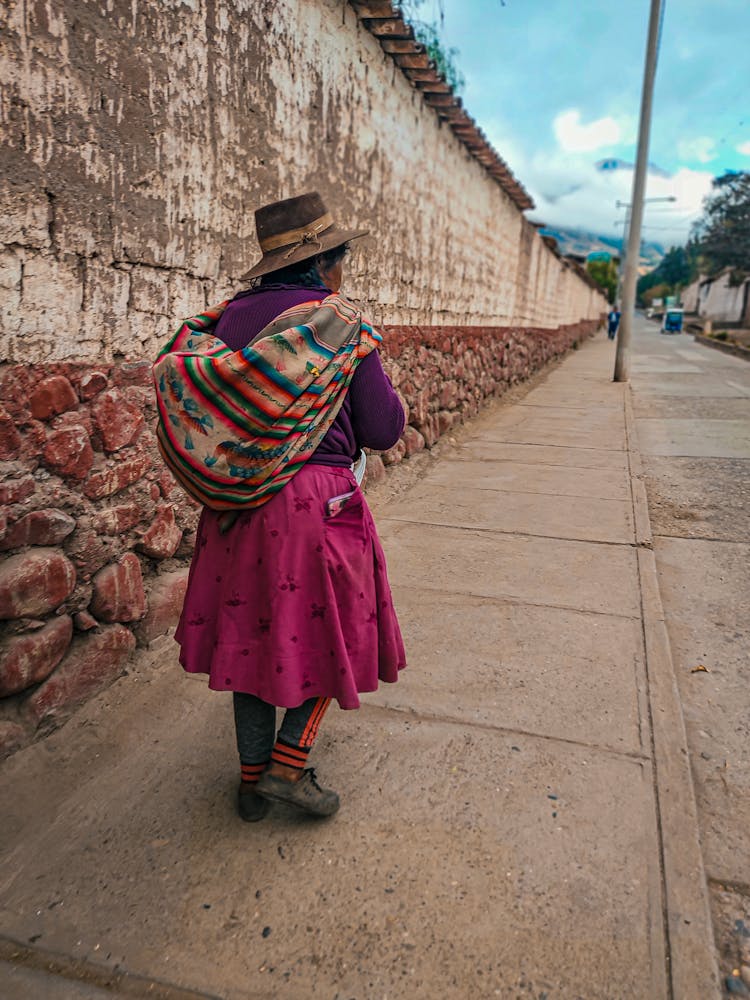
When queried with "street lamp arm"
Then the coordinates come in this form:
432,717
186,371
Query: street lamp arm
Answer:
627,204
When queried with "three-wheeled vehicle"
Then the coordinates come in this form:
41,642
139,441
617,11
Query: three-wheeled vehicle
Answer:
672,320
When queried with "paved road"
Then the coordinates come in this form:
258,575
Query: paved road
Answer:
517,814
692,405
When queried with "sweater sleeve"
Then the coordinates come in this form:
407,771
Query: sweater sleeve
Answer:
377,414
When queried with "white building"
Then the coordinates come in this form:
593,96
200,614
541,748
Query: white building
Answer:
716,299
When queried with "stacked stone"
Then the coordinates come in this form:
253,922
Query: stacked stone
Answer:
445,374
94,536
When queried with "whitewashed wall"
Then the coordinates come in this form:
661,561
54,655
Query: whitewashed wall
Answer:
139,135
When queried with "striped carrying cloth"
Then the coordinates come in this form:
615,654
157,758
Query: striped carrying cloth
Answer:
235,426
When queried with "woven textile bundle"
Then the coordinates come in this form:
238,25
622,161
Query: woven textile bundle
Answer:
235,426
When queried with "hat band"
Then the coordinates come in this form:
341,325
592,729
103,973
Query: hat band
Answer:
297,237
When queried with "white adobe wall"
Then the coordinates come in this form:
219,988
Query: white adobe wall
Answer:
140,136
721,302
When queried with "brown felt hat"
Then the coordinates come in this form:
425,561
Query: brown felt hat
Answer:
296,229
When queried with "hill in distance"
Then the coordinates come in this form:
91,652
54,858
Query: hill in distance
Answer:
582,243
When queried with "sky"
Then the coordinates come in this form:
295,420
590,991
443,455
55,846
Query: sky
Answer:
556,87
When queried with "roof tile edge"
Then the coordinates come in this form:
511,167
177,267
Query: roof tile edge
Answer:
384,21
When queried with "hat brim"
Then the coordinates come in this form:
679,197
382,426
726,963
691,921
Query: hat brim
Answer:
275,260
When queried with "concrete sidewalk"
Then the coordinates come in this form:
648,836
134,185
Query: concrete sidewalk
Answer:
518,817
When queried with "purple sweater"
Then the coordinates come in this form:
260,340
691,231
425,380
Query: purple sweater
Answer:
371,416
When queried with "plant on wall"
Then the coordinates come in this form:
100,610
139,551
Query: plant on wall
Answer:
429,34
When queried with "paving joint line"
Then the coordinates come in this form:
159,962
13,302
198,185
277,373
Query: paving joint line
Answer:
635,471
453,720
533,493
725,458
532,465
704,538
691,966
611,408
521,602
539,444
83,971
519,534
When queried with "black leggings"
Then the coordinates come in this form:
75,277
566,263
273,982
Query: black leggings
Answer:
255,721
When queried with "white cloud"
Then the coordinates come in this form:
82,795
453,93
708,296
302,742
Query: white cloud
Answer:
702,149
570,192
744,148
574,137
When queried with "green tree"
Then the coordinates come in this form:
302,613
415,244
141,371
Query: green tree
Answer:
660,291
677,268
723,233
604,272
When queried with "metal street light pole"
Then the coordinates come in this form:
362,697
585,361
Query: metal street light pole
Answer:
621,266
625,233
632,255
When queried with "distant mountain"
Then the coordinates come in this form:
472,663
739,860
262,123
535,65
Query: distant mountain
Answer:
583,243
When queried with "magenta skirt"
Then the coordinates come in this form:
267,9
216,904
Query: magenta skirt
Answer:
291,603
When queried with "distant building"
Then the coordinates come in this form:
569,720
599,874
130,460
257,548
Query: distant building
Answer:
717,300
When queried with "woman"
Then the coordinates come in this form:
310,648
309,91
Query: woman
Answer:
291,607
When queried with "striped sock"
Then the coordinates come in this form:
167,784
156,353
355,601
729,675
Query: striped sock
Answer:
290,756
252,772
316,717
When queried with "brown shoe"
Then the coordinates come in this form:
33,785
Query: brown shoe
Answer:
251,806
305,793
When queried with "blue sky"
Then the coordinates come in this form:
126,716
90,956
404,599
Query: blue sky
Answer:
556,86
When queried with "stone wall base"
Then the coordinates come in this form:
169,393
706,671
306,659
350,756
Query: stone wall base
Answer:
96,537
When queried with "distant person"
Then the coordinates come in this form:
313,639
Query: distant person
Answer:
291,608
613,321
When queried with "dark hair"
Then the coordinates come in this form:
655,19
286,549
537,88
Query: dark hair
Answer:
306,272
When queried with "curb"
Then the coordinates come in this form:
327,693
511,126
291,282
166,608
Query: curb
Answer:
691,955
720,345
